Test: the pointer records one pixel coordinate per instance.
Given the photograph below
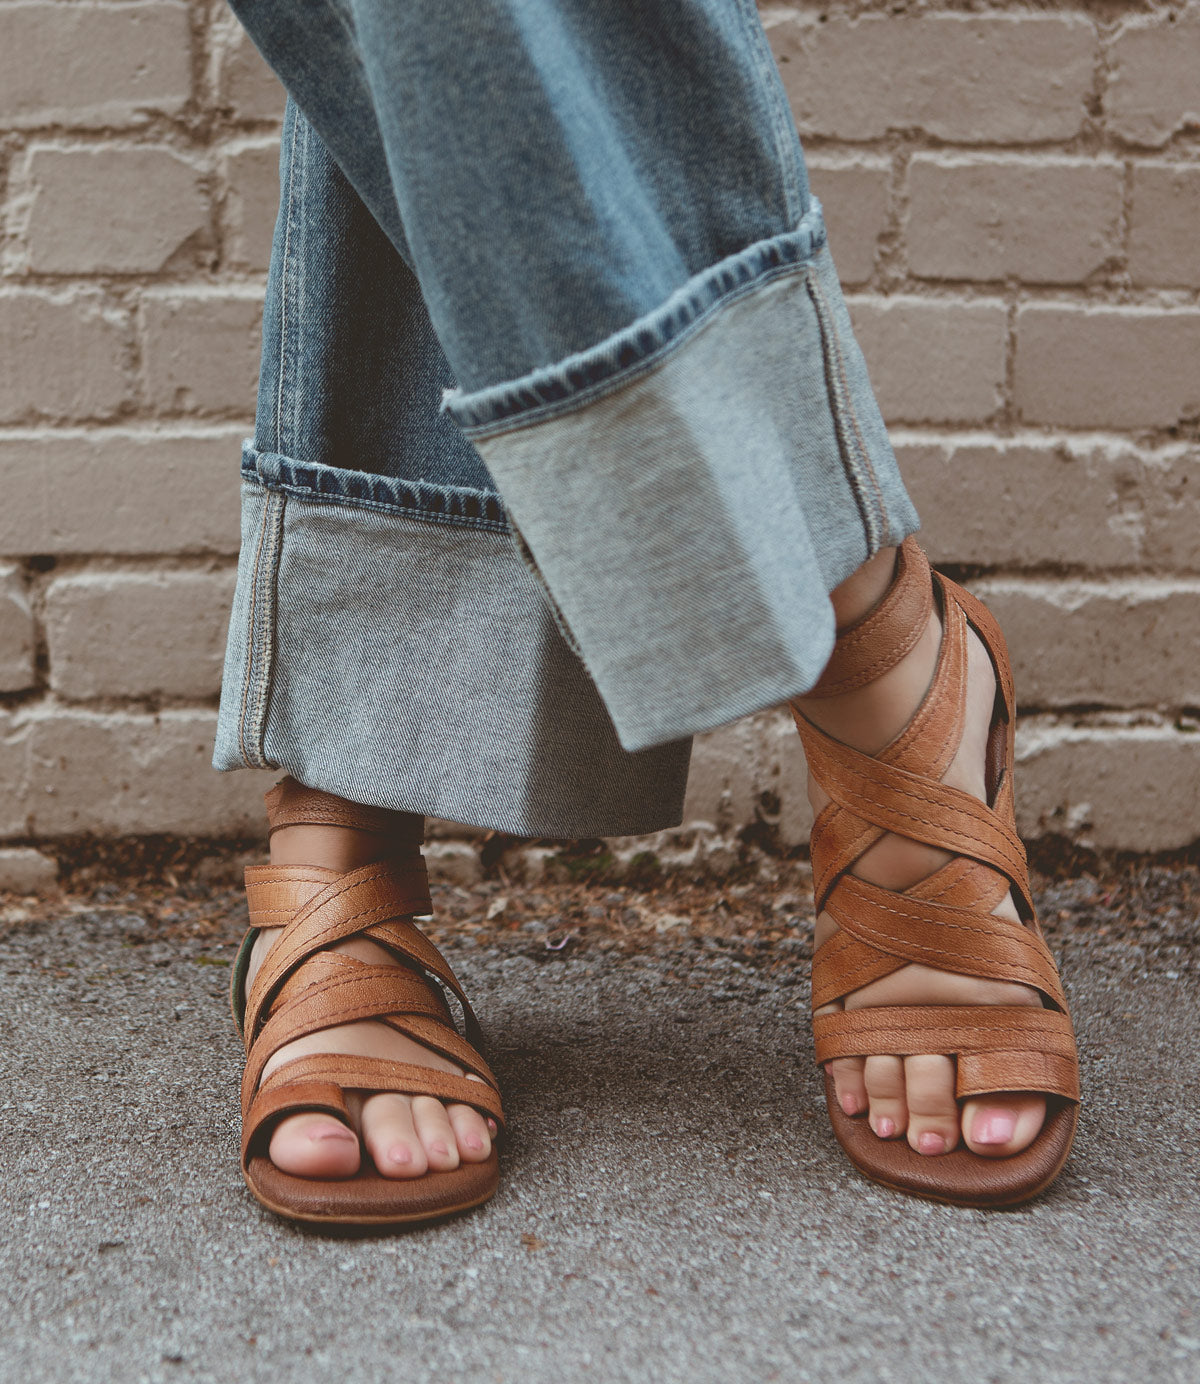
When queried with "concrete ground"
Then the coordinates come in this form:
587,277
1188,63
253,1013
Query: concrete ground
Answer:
673,1205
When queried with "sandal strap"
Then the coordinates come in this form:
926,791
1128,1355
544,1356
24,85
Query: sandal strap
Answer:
945,921
353,902
996,1047
292,804
269,1107
866,649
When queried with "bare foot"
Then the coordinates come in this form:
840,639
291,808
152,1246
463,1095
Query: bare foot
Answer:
914,1097
404,1135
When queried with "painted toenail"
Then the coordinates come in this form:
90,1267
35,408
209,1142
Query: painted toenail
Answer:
338,1132
400,1153
929,1142
996,1127
885,1128
850,1103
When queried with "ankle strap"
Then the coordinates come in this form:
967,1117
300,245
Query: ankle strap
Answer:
866,649
291,804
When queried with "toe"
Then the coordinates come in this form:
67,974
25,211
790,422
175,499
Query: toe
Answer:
312,1145
1001,1125
884,1081
435,1133
470,1133
933,1121
390,1135
849,1083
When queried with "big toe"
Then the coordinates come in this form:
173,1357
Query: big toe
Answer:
312,1145
999,1126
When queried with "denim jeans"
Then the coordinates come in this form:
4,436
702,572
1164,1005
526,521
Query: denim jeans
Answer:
563,435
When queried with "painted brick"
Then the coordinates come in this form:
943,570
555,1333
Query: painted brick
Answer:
246,86
854,195
201,350
1040,220
112,210
1004,79
120,492
24,870
91,65
1109,787
1041,502
15,775
1117,367
748,772
17,633
251,175
63,357
1164,245
132,774
1154,89
138,634
933,360
1112,644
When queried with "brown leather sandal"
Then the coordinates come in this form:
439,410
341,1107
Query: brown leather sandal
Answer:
303,988
944,921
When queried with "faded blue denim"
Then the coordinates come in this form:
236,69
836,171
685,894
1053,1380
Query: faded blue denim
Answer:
563,435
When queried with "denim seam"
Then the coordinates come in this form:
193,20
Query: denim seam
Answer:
260,637
416,509
285,278
856,456
519,416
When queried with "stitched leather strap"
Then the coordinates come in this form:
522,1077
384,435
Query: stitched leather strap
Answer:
866,649
946,921
292,804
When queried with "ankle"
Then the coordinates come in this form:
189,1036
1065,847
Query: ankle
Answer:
864,588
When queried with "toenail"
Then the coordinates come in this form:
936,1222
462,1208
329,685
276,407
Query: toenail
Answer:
338,1132
400,1153
996,1127
885,1128
472,1141
438,1148
850,1103
929,1142
492,1125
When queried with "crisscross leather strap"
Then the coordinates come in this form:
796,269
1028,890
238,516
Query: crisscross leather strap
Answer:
946,920
303,988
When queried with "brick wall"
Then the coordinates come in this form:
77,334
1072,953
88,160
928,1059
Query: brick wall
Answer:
1014,199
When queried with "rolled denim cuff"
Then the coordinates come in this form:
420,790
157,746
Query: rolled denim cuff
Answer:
693,487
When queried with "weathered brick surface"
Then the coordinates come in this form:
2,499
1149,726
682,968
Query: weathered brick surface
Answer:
120,492
1082,644
1042,220
854,195
200,350
1012,195
17,631
130,773
137,634
987,79
24,870
112,209
246,87
251,175
933,360
1164,246
1092,783
1107,367
63,356
91,65
1043,503
1154,89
